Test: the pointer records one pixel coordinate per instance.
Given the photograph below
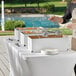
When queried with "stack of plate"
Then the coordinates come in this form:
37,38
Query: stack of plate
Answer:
49,51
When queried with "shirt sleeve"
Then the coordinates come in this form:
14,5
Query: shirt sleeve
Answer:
67,15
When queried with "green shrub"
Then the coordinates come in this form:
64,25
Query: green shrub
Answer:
0,27
50,8
9,25
12,24
19,23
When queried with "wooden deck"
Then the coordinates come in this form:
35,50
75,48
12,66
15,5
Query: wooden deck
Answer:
4,60
4,65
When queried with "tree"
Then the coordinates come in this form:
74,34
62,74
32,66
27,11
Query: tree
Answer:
63,0
68,1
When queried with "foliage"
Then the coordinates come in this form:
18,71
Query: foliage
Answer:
11,24
50,8
28,1
60,7
68,1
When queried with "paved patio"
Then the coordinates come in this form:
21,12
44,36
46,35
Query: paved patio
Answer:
4,60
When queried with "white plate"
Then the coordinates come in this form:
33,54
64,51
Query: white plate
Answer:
49,51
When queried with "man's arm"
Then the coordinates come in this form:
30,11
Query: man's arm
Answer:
67,15
63,19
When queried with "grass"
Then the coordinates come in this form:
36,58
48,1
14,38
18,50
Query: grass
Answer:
56,3
65,31
6,33
59,6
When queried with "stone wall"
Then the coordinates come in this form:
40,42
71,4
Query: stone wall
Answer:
25,10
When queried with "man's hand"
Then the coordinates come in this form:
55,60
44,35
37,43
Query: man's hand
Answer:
72,26
56,19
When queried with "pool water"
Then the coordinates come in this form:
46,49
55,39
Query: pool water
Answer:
36,22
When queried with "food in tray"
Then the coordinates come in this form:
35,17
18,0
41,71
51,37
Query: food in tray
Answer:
32,32
21,28
27,32
34,28
29,28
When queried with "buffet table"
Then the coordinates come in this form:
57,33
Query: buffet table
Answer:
36,52
25,63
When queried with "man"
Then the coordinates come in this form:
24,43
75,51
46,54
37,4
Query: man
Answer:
67,16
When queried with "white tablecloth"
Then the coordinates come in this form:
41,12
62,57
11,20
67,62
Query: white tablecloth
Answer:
14,51
53,65
24,63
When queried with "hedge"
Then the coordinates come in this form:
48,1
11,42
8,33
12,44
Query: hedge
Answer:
12,24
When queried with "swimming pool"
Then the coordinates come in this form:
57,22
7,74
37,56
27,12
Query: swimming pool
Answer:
35,21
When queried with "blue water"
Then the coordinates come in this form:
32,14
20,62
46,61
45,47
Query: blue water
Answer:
36,21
